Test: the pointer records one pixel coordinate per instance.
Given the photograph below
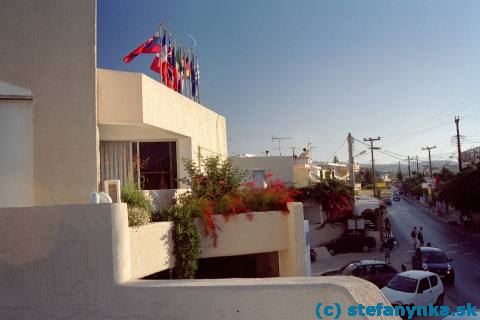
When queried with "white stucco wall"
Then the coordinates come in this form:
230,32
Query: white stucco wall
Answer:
72,262
151,246
265,232
281,168
133,99
16,156
151,249
49,48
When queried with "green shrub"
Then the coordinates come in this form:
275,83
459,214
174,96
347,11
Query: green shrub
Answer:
138,217
139,207
185,238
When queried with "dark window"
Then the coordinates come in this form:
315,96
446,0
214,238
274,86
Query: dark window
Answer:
383,268
370,270
403,284
424,285
157,163
434,257
433,280
359,271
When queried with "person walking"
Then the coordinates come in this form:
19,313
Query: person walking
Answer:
420,237
413,234
388,228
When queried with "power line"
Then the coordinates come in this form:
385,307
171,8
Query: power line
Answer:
451,110
338,149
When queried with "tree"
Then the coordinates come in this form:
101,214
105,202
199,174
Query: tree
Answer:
413,185
335,197
399,175
365,176
462,190
335,159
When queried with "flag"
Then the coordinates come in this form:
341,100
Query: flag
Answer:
197,81
192,76
163,58
155,66
187,67
149,46
163,52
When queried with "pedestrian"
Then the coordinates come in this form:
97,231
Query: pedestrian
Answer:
413,234
420,236
388,228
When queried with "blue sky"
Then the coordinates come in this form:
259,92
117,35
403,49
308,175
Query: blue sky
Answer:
316,70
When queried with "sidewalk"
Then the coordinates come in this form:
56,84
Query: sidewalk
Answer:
452,217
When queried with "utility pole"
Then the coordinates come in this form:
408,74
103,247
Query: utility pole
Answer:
429,158
293,151
408,159
350,161
417,165
373,162
457,119
279,139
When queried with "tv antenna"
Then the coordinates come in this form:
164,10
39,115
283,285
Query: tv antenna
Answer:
279,139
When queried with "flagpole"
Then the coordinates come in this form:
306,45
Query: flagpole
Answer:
160,54
197,80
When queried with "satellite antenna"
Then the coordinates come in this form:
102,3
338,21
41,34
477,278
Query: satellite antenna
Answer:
279,139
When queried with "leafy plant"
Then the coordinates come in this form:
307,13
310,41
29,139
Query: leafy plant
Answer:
213,178
218,190
139,207
138,217
185,238
335,197
462,190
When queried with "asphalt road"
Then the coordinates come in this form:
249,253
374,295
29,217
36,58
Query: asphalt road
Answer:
458,244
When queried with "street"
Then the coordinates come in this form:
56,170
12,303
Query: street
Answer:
452,239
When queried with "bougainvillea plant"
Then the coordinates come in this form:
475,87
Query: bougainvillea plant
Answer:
335,197
217,189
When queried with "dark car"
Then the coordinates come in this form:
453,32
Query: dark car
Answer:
396,199
388,202
351,242
377,272
434,260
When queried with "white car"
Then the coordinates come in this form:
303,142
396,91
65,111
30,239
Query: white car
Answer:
415,287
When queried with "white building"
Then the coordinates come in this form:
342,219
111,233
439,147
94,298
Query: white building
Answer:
74,126
297,172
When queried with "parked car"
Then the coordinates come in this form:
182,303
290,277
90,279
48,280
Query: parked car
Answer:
375,271
434,260
388,202
415,287
396,198
351,242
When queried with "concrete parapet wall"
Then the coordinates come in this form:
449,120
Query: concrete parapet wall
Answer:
252,233
73,262
151,249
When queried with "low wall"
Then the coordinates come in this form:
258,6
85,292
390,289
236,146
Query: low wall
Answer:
151,249
163,198
314,213
73,262
329,232
151,246
262,232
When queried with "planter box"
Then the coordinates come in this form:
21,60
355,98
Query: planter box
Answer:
264,232
151,246
151,249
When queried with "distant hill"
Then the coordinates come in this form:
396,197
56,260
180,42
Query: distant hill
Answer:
392,168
